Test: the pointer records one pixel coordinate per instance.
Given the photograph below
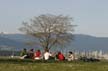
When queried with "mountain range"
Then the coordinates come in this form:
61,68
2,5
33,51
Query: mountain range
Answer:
81,42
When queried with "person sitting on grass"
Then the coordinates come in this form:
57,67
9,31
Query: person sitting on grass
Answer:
70,56
30,54
47,55
23,54
37,55
60,56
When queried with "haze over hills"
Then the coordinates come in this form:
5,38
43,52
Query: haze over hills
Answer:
86,42
10,44
81,42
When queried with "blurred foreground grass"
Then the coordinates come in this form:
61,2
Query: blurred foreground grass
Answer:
31,65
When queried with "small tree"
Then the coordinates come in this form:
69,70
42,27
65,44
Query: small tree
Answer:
50,30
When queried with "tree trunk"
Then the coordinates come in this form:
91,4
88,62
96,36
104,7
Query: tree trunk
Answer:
46,49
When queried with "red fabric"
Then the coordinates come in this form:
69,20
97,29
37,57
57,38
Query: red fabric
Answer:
61,57
37,54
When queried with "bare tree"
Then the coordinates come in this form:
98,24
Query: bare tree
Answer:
50,30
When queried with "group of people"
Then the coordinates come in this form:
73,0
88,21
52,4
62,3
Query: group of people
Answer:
37,55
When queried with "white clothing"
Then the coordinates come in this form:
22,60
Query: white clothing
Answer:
47,55
71,57
37,58
23,57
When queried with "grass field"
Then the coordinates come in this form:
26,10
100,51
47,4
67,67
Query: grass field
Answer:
30,65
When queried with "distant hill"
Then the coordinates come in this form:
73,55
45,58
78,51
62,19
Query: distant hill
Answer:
89,43
10,44
81,42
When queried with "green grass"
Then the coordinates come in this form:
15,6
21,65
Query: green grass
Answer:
31,65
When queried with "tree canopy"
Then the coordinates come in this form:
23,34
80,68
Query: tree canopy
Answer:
50,30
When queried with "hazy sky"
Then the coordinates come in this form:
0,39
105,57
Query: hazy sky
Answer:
91,16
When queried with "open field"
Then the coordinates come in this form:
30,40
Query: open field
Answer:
30,65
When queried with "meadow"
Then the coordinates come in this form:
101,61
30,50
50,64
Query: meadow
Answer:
31,65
